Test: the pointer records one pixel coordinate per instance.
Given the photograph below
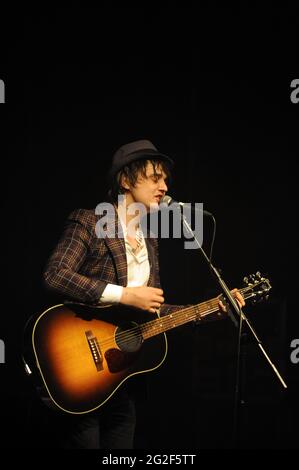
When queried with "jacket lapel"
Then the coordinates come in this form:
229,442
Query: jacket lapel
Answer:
115,242
114,239
151,259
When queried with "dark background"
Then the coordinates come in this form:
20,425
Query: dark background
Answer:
211,88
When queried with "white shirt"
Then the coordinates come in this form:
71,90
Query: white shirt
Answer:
138,268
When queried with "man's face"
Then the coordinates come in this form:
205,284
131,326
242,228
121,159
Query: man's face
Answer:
149,189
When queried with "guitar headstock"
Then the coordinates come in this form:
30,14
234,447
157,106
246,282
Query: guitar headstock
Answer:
257,287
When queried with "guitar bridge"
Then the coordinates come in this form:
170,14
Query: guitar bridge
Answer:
95,349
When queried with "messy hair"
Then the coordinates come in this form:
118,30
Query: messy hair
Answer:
131,173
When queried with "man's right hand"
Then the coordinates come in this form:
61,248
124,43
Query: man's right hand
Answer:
145,298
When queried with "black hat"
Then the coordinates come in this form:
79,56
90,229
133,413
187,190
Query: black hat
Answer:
138,150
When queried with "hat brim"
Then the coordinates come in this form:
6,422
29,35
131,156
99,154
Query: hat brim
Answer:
140,155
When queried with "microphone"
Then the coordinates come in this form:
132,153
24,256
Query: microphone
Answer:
169,201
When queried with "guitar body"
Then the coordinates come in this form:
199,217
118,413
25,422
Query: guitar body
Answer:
82,355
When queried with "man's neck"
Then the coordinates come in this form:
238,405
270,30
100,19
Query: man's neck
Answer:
124,216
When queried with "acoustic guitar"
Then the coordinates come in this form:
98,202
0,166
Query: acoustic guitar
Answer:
81,355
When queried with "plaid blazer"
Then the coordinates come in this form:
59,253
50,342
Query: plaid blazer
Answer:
82,264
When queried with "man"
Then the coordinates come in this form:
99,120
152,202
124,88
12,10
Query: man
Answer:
91,266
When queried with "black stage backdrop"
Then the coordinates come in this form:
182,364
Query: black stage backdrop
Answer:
212,89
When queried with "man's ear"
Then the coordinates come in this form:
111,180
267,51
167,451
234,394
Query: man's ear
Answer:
124,182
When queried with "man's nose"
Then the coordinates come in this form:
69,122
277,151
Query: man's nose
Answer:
163,186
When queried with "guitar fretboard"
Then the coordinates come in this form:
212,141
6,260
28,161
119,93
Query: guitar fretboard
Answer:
185,315
175,319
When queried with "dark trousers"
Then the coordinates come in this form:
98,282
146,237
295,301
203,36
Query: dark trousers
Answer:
112,426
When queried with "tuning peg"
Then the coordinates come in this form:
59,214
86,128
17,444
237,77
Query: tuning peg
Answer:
245,280
258,275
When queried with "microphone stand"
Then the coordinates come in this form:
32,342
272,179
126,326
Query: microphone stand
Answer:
237,315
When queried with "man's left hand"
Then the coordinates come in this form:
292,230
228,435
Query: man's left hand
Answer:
239,298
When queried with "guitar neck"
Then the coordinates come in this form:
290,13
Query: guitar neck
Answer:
185,315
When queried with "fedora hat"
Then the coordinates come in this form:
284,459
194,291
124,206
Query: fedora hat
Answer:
137,150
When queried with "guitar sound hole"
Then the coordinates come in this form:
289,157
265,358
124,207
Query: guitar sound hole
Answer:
128,337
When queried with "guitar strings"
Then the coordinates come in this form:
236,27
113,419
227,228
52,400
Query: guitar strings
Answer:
153,325
167,322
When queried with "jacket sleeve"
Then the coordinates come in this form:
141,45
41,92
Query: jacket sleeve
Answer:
62,270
